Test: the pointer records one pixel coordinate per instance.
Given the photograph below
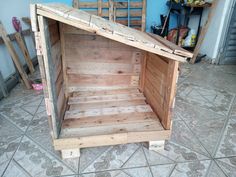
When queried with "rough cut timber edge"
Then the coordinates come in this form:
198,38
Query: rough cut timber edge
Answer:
105,28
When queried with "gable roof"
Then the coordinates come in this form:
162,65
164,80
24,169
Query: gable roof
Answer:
112,30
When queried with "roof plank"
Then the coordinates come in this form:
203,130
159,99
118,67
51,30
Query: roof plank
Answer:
105,28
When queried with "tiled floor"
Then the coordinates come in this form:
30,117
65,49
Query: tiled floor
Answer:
203,141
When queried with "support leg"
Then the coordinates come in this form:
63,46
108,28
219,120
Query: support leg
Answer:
70,153
156,145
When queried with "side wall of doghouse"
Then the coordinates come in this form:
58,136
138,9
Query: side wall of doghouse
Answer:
96,63
51,68
159,79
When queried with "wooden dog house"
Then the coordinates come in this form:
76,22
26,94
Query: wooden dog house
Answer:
104,83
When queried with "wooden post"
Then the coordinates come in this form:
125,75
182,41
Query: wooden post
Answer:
111,10
204,31
75,4
14,56
100,8
172,77
143,70
25,52
144,15
48,64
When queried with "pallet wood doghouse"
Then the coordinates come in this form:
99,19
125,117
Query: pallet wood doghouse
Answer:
104,83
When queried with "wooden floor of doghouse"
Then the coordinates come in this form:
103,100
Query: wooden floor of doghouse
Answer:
116,116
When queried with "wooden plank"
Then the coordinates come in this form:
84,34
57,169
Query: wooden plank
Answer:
143,73
106,92
158,62
88,80
119,13
54,33
14,56
95,68
80,19
78,88
99,6
108,120
170,93
25,52
33,17
101,55
177,49
64,63
106,98
144,15
75,114
100,105
204,30
46,49
111,10
111,139
120,5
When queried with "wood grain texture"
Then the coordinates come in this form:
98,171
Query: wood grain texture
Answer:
25,52
107,29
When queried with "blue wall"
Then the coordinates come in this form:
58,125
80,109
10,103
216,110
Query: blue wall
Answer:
154,9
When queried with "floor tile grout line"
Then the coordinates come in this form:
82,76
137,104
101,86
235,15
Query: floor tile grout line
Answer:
23,135
209,168
171,172
220,167
100,156
224,128
51,153
162,156
130,157
198,140
208,158
13,160
127,173
147,162
96,159
142,167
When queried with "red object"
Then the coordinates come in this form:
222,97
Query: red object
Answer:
16,24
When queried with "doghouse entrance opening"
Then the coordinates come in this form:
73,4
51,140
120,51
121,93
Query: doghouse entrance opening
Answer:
105,92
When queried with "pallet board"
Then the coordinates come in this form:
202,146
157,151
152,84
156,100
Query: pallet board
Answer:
131,14
104,83
103,113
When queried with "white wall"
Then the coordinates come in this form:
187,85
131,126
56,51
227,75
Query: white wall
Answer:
212,42
8,9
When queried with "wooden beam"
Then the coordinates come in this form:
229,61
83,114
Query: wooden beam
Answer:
100,8
112,139
204,30
75,4
14,56
49,67
111,10
25,52
144,15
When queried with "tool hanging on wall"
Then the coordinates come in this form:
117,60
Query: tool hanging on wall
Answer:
22,44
